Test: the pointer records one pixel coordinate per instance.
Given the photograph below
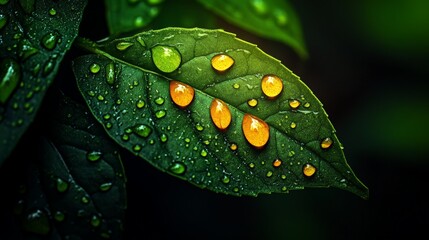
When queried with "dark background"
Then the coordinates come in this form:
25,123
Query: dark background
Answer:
368,64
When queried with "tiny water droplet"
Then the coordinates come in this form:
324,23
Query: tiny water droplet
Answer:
141,41
163,137
106,186
220,114
199,127
226,179
160,113
10,73
91,93
106,116
62,185
125,137
121,46
283,176
251,165
308,170
178,168
50,40
95,221
37,222
84,199
269,174
94,68
277,163
137,148
259,6
307,104
59,216
222,62
159,100
271,85
293,125
203,153
236,86
233,146
252,102
294,104
26,49
181,93
142,130
93,156
48,67
281,17
166,59
100,97
52,12
255,130
326,143
110,73
140,103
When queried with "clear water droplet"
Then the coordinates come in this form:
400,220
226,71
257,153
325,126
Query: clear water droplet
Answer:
62,185
326,143
203,153
26,49
178,168
141,41
293,125
222,62
59,216
142,130
236,86
269,174
93,156
163,137
110,73
140,103
251,165
37,222
308,170
199,127
95,221
181,93
259,6
166,59
220,114
84,199
255,130
94,68
159,100
121,46
48,67
281,17
271,85
106,186
10,74
225,179
100,97
307,105
137,148
277,163
50,40
52,12
233,146
294,104
160,114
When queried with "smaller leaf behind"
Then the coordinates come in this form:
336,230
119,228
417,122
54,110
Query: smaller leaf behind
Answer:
272,19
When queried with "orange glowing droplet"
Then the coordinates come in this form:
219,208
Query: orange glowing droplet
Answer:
308,170
222,62
294,104
256,131
181,93
271,85
233,147
326,143
220,114
277,163
252,102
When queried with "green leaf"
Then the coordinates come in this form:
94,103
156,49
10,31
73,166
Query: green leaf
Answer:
34,38
127,15
130,96
272,19
78,185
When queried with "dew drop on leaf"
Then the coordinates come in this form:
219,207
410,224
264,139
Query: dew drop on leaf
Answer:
142,130
281,17
178,168
49,41
259,6
110,73
166,59
255,130
140,103
160,114
26,49
294,104
277,163
62,185
159,100
93,156
308,170
10,73
222,62
252,102
105,186
220,114
163,137
94,68
233,146
123,45
181,94
225,179
293,125
52,12
36,222
95,221
326,143
59,216
271,85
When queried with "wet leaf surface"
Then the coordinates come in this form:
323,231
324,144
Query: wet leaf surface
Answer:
279,137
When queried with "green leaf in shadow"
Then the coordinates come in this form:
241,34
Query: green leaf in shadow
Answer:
272,19
127,15
34,38
76,189
155,97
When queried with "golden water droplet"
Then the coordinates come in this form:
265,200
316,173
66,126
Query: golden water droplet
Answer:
220,114
294,104
256,131
308,170
271,85
277,163
326,143
292,125
181,93
252,102
233,147
222,62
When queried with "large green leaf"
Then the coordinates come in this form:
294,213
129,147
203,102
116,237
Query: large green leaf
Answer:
127,15
34,38
129,94
272,19
76,186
